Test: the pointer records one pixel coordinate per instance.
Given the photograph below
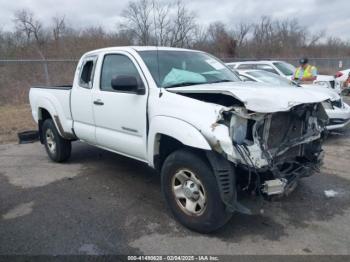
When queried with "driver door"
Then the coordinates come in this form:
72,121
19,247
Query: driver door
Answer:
120,115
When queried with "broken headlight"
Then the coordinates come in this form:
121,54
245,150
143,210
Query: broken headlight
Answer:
327,104
338,103
238,127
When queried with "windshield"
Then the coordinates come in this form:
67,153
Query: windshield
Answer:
184,68
285,68
270,78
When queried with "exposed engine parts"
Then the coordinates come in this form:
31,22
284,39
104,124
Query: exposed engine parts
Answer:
274,149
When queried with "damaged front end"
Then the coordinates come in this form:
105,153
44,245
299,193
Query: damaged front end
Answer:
272,150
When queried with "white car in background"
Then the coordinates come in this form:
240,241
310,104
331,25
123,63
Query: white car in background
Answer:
283,69
341,77
337,111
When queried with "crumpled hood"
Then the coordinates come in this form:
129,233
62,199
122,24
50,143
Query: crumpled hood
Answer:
259,97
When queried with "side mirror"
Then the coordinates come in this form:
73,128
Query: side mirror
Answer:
128,84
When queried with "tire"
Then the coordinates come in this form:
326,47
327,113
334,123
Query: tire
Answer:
57,148
184,164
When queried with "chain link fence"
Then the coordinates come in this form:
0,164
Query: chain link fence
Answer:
17,76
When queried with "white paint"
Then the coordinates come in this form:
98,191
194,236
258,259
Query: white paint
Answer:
259,97
330,193
19,211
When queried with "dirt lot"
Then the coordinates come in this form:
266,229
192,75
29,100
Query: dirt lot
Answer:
14,119
101,203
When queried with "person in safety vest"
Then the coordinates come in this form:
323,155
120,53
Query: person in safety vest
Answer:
305,73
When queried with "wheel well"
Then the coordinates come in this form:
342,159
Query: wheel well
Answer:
166,145
43,115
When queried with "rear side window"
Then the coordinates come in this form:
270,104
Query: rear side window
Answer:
117,65
86,76
246,66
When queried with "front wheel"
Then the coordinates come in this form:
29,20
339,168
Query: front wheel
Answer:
192,193
58,148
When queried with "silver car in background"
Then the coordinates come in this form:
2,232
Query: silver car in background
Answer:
285,70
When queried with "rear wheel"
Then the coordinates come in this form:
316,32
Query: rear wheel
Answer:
192,193
58,148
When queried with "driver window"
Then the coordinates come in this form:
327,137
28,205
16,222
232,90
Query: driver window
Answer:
117,65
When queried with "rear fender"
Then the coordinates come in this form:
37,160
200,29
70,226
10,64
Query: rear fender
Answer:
55,116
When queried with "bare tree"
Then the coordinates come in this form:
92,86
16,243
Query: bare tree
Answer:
162,22
183,26
201,38
241,32
31,27
222,43
139,20
59,26
33,30
316,37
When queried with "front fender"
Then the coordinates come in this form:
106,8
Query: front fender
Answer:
176,128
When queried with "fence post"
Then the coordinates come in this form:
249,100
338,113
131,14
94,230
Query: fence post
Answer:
46,72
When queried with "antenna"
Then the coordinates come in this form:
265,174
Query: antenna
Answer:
155,33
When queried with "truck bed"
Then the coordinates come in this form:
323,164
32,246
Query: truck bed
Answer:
55,100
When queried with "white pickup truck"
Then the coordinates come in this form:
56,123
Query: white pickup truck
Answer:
184,113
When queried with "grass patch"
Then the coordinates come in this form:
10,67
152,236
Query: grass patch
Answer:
14,119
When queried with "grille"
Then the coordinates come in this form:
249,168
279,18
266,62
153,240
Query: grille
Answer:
332,83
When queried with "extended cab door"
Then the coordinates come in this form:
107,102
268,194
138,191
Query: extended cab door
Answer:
81,100
120,114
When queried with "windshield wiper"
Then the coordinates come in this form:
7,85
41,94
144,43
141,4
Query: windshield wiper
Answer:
184,84
220,81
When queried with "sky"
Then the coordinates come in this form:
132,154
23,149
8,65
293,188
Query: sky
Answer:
333,16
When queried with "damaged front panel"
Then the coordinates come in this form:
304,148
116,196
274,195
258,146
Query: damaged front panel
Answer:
284,145
274,139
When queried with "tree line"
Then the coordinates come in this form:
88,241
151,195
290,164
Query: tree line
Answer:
153,22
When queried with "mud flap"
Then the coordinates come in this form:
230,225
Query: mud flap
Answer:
226,179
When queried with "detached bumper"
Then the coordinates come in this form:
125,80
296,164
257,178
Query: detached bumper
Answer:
338,117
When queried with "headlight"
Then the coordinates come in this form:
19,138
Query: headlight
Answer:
238,128
338,103
327,104
322,83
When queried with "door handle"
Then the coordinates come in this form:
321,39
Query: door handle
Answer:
98,102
